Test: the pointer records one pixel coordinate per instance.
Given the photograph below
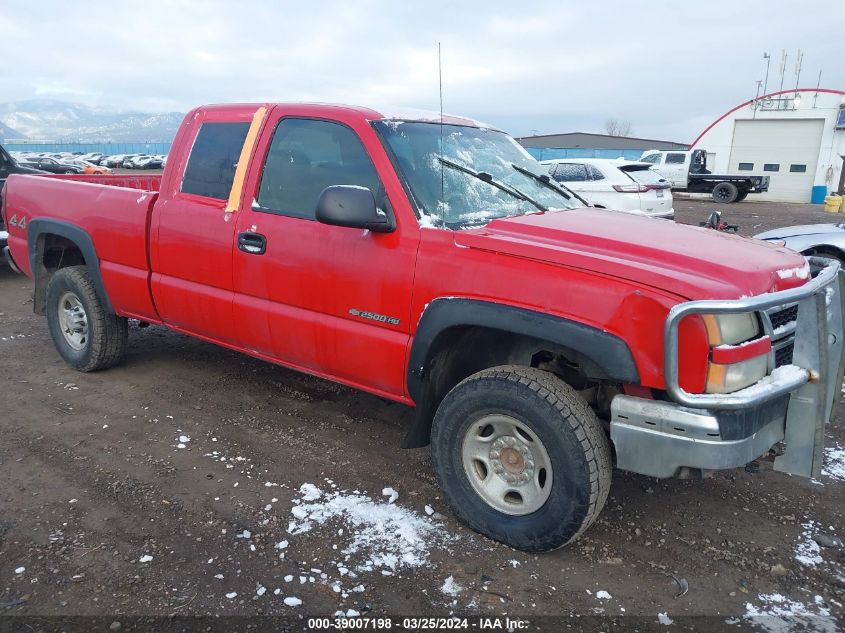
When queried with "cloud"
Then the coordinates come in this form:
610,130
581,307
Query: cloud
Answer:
549,66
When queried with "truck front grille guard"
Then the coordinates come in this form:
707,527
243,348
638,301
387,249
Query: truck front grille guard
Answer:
817,352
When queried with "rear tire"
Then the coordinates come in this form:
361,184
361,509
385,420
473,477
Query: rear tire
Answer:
86,336
741,196
498,486
725,192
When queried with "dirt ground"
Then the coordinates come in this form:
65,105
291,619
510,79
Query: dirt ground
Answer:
192,480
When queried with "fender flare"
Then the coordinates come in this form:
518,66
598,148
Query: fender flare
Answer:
609,352
41,226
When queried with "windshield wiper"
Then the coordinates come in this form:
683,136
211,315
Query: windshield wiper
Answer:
544,180
488,178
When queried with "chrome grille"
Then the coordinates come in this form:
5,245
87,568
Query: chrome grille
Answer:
783,316
782,320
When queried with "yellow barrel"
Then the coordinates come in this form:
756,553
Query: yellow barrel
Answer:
842,204
832,203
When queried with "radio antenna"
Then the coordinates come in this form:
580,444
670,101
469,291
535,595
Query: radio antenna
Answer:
442,166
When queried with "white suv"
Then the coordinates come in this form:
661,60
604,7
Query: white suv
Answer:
616,184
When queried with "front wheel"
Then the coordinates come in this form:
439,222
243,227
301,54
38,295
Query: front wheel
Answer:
86,336
521,457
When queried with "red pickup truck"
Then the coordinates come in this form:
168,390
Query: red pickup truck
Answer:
430,261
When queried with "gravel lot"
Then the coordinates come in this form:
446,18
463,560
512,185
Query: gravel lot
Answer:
192,480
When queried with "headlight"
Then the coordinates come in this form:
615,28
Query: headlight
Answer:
730,378
739,356
731,329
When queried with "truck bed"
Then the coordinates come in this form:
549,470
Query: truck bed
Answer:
113,209
149,182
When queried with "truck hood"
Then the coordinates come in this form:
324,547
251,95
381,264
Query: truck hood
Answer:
801,230
688,261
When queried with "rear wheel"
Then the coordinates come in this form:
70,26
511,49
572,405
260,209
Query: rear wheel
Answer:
521,457
725,192
85,335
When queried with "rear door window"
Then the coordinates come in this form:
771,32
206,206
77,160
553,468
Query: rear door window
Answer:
674,158
570,172
594,173
214,157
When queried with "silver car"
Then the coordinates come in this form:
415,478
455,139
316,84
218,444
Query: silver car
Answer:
824,240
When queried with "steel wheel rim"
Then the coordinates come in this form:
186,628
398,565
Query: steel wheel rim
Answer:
506,464
73,321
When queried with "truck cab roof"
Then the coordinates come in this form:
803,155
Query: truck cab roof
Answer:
332,110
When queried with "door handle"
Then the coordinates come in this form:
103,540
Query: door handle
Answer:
252,243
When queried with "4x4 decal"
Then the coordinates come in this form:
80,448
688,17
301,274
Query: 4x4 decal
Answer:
21,224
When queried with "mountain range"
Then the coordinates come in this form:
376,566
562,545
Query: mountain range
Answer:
62,121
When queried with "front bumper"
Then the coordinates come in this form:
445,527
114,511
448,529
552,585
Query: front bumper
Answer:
791,405
661,439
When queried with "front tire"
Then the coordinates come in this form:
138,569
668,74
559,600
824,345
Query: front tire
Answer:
521,457
86,336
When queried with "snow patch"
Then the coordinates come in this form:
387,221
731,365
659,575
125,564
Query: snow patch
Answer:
450,587
603,595
778,614
292,602
664,619
391,493
834,462
146,558
381,535
808,552
800,272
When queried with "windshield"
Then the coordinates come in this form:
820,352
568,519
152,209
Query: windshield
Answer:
468,176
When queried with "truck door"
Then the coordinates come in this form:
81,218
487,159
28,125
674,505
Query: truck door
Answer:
191,235
331,300
675,168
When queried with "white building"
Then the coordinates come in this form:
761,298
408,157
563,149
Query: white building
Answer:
797,138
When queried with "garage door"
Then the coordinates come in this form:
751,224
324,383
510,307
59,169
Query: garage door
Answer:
786,150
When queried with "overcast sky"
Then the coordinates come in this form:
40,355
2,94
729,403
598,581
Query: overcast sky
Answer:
668,67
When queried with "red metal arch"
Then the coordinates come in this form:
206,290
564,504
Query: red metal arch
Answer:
750,101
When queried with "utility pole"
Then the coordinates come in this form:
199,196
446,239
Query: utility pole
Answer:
768,59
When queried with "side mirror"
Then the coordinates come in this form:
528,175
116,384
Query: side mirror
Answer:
354,207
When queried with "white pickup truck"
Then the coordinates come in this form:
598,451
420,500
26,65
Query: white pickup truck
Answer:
687,171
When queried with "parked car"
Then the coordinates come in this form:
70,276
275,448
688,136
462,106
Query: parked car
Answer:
92,157
129,161
448,272
619,185
687,171
824,240
54,166
146,162
113,161
87,167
